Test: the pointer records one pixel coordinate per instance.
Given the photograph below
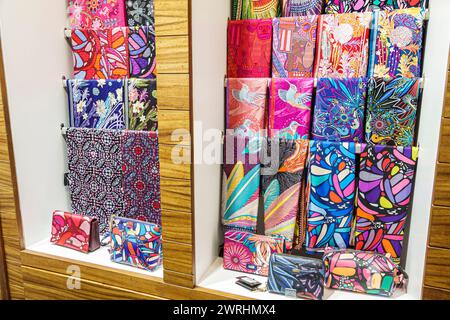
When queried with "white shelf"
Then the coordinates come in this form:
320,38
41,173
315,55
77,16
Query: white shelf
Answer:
100,257
217,278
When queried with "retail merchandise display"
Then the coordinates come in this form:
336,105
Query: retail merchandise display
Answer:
112,141
346,194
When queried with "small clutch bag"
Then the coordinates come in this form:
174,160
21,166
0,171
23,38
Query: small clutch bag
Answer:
75,231
248,252
362,271
296,276
136,243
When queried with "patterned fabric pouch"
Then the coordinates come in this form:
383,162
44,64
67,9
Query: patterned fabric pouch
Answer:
296,276
142,48
392,111
249,48
241,181
396,43
97,104
294,45
136,243
248,252
339,110
364,272
386,184
75,231
255,9
343,45
281,182
331,194
293,8
94,14
246,106
290,108
140,13
142,105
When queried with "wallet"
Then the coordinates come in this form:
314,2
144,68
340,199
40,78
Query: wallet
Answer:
296,276
75,231
136,243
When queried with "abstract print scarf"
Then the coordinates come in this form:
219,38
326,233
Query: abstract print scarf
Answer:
345,6
249,48
142,47
141,181
96,104
386,183
142,105
241,180
255,9
140,13
343,45
392,111
396,43
95,173
339,110
282,173
100,53
294,44
94,14
293,8
331,193
290,108
246,105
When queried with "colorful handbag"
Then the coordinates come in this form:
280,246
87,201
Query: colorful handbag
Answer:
75,231
296,276
362,271
136,243
248,252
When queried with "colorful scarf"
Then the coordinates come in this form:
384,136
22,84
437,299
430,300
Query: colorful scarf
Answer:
142,106
331,193
343,45
141,181
282,173
292,8
241,179
246,105
255,9
100,54
392,111
96,104
140,13
345,6
386,183
294,44
249,48
141,44
396,43
95,173
94,14
339,110
290,108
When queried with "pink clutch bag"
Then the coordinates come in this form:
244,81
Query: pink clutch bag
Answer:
75,231
248,252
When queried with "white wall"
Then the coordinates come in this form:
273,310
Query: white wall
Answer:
209,39
36,55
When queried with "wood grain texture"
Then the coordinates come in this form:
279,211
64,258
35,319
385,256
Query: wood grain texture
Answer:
170,168
430,293
9,207
176,194
180,279
439,235
174,127
171,17
4,291
45,285
172,54
173,91
447,98
179,227
437,270
444,145
178,257
442,185
119,278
